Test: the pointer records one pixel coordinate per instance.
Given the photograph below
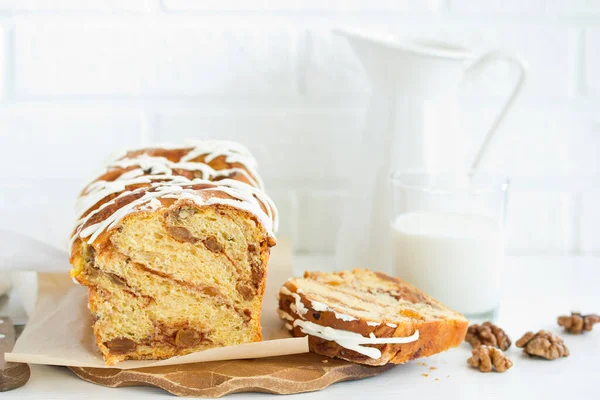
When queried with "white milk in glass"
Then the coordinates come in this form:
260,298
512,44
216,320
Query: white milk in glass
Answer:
456,258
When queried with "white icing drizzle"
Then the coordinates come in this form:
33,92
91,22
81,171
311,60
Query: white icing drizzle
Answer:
284,315
347,339
233,152
134,173
99,190
243,194
158,173
288,326
344,317
299,307
160,165
254,180
75,281
152,169
284,290
315,305
318,306
239,191
352,340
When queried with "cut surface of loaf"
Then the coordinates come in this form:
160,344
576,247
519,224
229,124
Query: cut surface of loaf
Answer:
173,246
368,317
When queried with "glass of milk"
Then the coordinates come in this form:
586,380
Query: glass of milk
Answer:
447,238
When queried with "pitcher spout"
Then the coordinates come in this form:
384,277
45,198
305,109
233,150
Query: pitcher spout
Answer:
419,68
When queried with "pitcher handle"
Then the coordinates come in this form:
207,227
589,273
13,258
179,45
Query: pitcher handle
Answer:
480,63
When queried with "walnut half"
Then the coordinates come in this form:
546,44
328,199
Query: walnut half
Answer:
487,358
543,344
121,345
577,323
488,334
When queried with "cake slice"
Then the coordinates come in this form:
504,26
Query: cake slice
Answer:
368,317
173,245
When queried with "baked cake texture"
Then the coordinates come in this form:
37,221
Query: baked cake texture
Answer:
172,244
368,317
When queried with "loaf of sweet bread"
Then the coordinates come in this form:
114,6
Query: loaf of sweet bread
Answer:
368,317
172,244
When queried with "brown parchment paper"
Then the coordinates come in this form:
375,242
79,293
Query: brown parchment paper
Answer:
59,331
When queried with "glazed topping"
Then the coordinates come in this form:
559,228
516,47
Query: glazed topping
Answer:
232,151
137,180
348,339
352,340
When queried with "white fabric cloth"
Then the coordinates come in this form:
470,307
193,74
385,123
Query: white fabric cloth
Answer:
5,285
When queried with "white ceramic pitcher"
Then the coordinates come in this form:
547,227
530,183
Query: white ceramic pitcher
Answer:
407,78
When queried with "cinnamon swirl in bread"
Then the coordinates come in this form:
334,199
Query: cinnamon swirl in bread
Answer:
368,317
173,244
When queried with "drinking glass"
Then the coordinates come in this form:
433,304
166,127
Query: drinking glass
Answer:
447,235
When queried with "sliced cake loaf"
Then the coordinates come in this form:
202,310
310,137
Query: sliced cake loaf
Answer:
368,317
173,244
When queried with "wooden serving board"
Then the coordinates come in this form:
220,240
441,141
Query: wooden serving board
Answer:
12,375
278,375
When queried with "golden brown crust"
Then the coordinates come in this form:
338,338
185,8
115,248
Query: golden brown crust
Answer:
94,261
435,335
175,155
122,201
221,169
162,344
140,190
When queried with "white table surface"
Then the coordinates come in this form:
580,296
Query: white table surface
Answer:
538,289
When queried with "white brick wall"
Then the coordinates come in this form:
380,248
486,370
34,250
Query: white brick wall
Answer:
591,63
4,63
125,58
495,7
573,7
303,7
590,239
46,6
79,79
49,142
295,146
